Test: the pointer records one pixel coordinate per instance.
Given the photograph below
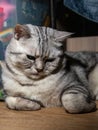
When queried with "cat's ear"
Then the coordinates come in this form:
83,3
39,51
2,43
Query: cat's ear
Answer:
21,31
60,36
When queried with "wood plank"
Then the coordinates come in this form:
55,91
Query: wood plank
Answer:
46,119
82,44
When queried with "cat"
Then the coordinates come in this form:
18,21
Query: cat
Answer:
37,72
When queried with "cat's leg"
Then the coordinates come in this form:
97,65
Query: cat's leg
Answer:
77,103
19,103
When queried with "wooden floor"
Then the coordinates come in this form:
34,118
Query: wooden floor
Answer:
46,119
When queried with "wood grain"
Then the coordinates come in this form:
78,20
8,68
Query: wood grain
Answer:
46,119
82,44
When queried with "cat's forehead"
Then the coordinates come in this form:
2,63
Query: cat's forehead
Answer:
38,48
40,37
39,41
37,30
43,36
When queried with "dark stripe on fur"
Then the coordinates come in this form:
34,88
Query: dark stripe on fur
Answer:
15,53
8,67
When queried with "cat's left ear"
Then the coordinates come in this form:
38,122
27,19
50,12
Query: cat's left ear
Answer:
60,36
21,31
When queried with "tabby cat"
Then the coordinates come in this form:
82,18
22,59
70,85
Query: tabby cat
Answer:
38,73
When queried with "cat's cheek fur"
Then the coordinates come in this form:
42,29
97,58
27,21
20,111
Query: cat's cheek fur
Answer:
50,67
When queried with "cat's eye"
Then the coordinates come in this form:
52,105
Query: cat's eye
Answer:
30,57
50,60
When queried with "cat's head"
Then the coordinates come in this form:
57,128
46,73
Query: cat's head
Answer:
36,51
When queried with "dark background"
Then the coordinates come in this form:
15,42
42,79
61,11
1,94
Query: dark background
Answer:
71,21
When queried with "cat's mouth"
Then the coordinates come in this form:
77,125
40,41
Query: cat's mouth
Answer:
36,75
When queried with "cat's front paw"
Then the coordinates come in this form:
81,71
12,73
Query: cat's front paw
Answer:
19,103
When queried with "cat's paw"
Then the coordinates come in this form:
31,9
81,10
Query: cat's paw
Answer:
19,103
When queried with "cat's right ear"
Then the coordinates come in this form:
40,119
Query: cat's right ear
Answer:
21,31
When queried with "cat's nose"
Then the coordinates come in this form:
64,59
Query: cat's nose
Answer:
39,65
39,69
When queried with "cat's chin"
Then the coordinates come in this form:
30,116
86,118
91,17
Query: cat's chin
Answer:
36,77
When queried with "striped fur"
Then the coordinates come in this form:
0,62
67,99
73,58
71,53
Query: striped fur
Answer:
38,73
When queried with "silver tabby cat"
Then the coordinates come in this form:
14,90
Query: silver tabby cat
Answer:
38,73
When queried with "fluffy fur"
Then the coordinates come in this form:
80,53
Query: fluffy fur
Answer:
38,73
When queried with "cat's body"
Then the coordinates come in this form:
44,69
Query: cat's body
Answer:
38,73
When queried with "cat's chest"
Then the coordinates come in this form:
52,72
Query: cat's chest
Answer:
47,86
47,91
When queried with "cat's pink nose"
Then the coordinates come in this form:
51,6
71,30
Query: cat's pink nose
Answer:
39,69
39,64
